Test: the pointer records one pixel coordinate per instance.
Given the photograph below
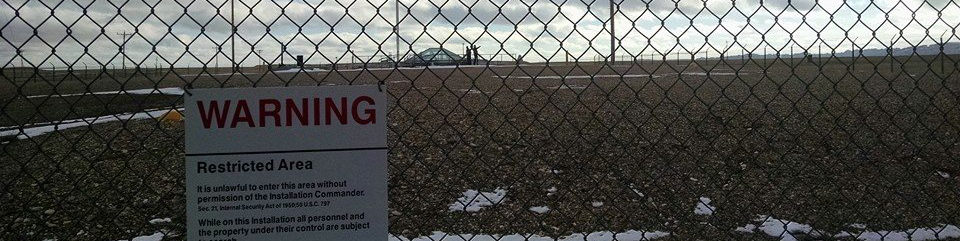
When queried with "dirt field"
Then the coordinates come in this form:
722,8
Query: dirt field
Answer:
633,146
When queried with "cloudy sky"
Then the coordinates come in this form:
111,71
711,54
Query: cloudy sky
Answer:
189,32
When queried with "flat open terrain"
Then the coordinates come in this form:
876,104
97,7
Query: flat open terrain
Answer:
630,146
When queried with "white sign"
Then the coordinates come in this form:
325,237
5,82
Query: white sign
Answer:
293,163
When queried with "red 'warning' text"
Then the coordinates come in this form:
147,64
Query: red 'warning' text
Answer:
287,112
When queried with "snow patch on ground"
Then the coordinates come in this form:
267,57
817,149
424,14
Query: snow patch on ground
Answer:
914,234
783,229
704,207
297,70
158,236
473,200
570,87
596,204
314,70
790,231
551,191
943,174
636,190
44,128
786,230
749,228
159,91
474,91
160,220
711,73
606,76
154,237
425,67
540,209
594,236
575,76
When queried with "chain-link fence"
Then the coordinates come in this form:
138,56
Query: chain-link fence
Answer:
510,119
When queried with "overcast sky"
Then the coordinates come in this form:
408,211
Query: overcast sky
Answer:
187,32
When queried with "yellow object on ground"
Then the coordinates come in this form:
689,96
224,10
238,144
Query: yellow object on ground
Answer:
171,116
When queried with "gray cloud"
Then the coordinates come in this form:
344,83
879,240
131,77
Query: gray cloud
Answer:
328,28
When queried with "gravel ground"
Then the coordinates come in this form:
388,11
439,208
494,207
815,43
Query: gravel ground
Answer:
24,111
825,145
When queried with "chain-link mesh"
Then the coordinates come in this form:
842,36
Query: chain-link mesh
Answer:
510,119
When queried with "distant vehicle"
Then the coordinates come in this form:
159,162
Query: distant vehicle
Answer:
433,56
386,59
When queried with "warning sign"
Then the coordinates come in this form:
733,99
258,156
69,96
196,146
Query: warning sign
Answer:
294,163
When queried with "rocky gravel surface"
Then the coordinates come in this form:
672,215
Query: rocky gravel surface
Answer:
818,145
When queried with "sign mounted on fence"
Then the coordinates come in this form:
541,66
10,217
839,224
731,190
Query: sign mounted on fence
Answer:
294,163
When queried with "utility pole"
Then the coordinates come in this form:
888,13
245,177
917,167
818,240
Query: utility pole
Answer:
853,60
233,39
21,64
20,53
123,53
396,30
942,54
260,54
613,37
216,59
726,43
819,53
892,58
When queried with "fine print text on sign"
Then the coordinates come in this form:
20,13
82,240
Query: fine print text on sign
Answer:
293,163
